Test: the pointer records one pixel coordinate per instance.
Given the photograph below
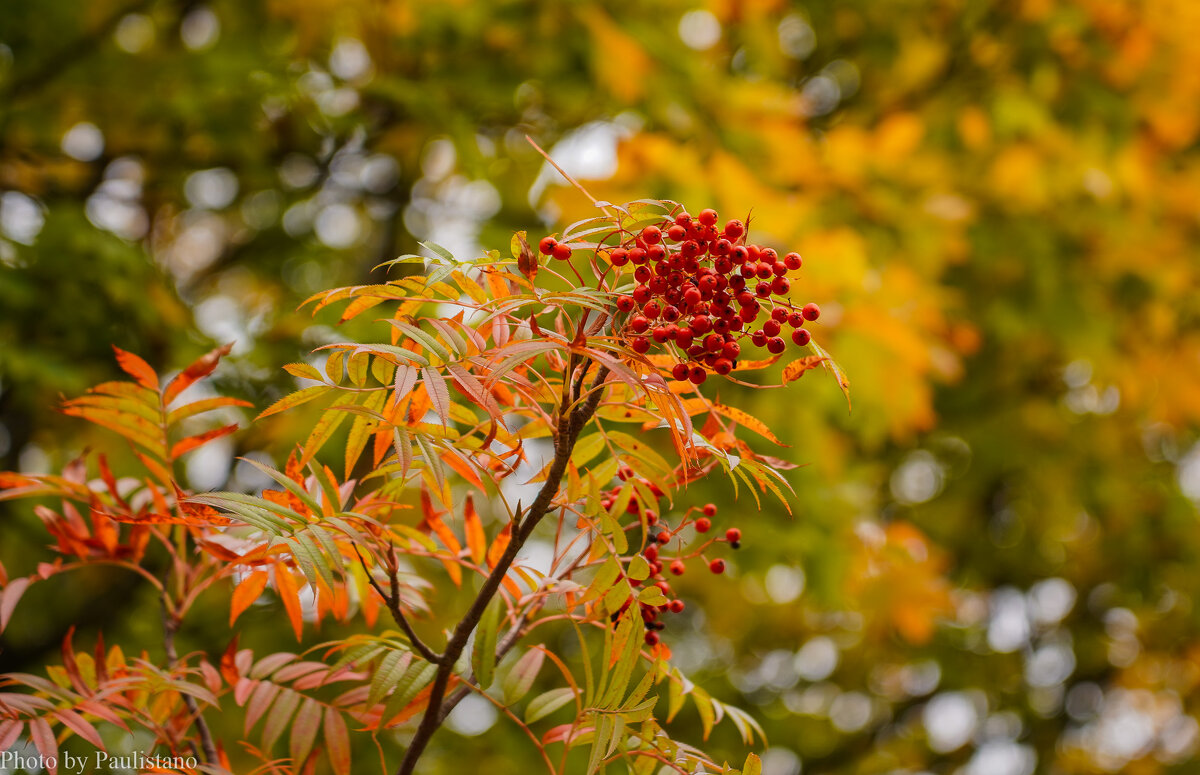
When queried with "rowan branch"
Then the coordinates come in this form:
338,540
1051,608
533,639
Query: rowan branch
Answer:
170,627
392,600
569,424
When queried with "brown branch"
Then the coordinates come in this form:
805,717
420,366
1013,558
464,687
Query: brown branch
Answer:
569,424
170,627
392,600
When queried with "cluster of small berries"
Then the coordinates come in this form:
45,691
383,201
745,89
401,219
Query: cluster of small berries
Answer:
659,539
704,290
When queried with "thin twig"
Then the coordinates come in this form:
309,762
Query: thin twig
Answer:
393,603
569,179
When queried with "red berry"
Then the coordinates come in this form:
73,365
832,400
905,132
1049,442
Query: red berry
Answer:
793,261
651,517
780,286
775,345
723,366
651,638
562,252
731,350
680,371
733,534
656,253
651,235
677,567
801,336
684,220
796,319
626,303
651,552
710,509
764,271
639,324
734,229
779,314
619,257
771,328
676,606
721,247
640,345
663,537
740,254
676,233
651,310
762,290
707,217
660,334
717,566
779,268
704,524
697,375
759,339
811,311
547,245
637,256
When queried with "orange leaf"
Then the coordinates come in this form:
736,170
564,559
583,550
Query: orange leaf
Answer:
198,369
246,593
191,442
748,421
289,594
476,540
796,369
499,545
136,368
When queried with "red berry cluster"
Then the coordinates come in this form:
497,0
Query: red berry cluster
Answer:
704,290
659,540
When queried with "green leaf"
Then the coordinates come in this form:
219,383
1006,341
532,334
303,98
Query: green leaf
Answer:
440,251
546,703
483,658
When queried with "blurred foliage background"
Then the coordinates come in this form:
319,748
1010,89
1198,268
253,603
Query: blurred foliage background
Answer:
993,567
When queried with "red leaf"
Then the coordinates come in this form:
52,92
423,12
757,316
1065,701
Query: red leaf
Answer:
229,667
70,664
137,368
337,742
43,739
9,732
76,724
9,598
199,369
247,591
191,442
304,730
